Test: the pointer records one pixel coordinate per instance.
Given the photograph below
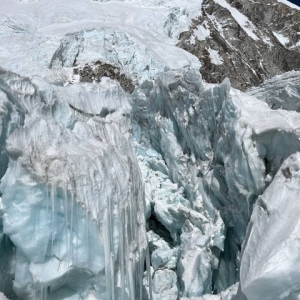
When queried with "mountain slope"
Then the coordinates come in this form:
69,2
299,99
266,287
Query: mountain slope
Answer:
252,40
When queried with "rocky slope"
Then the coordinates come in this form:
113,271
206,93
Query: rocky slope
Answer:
247,41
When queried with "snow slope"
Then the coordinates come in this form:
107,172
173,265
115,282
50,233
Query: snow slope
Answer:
125,34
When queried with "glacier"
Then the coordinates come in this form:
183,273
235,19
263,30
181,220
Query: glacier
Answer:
177,189
81,158
68,223
280,92
271,272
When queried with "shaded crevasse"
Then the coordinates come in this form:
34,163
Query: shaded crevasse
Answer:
177,108
87,155
73,198
214,151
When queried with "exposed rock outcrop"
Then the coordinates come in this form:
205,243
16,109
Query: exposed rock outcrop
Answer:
254,40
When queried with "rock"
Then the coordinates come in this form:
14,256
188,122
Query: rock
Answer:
266,46
94,73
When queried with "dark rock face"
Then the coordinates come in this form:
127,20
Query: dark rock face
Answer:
247,61
94,73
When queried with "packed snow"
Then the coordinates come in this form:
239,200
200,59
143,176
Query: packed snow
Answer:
281,38
215,57
201,33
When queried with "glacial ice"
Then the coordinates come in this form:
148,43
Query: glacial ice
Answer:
74,188
281,91
230,123
74,184
86,168
270,260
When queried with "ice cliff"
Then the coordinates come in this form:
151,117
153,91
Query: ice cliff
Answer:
73,194
125,175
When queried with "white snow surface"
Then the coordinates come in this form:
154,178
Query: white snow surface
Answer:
215,57
133,35
2,297
281,38
201,33
241,19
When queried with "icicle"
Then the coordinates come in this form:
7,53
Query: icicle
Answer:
87,235
122,249
47,198
53,194
71,226
66,210
149,272
107,256
139,273
110,240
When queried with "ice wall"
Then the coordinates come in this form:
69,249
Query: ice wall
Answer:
82,159
270,261
73,195
282,91
206,154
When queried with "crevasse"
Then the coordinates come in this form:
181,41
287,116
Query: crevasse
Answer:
85,158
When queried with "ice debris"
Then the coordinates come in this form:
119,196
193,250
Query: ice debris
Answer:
82,159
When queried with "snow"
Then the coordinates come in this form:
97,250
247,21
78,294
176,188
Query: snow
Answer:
32,32
267,41
241,19
217,25
215,57
201,33
271,248
2,297
281,38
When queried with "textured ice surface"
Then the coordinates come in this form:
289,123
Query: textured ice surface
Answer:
230,159
48,38
229,294
73,195
270,261
74,184
80,159
282,91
